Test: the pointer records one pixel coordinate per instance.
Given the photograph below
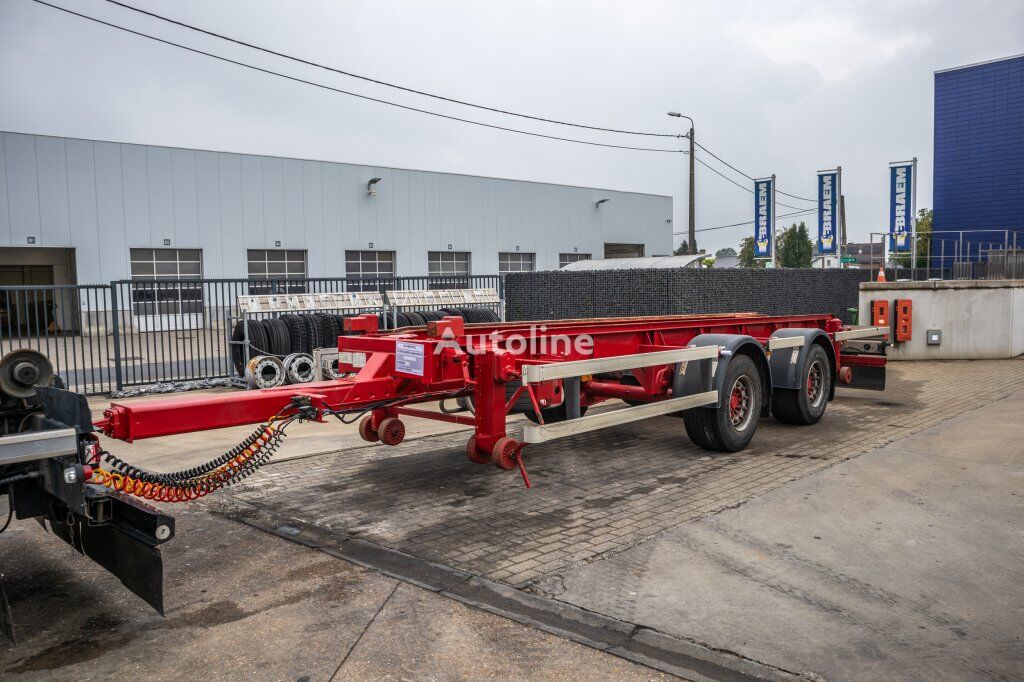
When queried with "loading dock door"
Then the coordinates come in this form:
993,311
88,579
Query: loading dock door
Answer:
37,307
623,250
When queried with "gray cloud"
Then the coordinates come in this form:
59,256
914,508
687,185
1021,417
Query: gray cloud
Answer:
783,87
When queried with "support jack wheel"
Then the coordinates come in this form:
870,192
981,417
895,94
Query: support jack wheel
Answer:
366,430
391,431
503,454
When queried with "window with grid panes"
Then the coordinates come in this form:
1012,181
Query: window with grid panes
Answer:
279,267
156,289
566,258
515,262
376,268
448,269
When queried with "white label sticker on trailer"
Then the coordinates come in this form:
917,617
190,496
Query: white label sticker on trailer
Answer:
409,358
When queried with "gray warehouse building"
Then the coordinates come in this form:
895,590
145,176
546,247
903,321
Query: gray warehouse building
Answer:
87,211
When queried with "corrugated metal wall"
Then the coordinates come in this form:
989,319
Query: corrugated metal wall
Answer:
103,198
979,153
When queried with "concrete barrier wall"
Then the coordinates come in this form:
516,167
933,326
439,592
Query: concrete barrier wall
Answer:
982,319
623,293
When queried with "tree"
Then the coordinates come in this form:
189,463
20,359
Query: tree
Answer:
727,251
796,250
747,258
924,240
708,262
683,248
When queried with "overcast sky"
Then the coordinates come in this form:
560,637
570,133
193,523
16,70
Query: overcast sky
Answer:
775,87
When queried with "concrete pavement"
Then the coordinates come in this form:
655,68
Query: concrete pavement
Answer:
904,563
244,605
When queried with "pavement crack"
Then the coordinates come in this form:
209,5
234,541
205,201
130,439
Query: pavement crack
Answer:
398,583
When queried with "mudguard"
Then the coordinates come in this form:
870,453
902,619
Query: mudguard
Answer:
698,376
787,363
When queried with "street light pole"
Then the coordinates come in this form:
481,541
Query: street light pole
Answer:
692,239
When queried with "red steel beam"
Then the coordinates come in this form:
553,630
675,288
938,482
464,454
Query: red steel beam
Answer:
480,358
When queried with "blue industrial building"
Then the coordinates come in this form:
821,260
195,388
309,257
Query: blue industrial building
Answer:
979,155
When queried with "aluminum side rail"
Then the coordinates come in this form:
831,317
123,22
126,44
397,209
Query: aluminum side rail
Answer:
533,374
538,433
861,333
779,342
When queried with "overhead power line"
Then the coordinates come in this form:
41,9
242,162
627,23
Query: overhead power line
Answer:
377,81
346,92
424,93
750,222
748,176
743,187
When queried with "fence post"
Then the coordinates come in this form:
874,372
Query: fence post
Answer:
116,323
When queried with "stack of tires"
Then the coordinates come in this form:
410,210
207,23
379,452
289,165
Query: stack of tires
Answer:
279,339
281,348
417,318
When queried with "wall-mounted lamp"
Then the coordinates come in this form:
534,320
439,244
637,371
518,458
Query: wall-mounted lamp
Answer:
600,201
369,186
668,220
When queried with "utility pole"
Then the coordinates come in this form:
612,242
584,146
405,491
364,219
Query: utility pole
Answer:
692,240
775,244
842,228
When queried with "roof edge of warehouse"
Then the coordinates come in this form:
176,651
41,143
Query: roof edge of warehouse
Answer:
348,163
982,63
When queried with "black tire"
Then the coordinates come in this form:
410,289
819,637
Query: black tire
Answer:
328,331
298,340
431,315
313,332
523,405
277,337
259,343
713,428
237,352
551,414
804,406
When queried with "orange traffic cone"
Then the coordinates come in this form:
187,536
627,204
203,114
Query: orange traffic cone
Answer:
881,274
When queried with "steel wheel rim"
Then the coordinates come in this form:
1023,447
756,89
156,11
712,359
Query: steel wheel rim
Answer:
741,398
816,383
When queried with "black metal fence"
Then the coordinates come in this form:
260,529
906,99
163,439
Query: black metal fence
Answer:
102,338
952,254
67,323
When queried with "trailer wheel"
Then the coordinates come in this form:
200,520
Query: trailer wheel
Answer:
807,404
730,427
366,430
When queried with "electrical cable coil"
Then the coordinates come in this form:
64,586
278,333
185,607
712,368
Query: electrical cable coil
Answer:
185,485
